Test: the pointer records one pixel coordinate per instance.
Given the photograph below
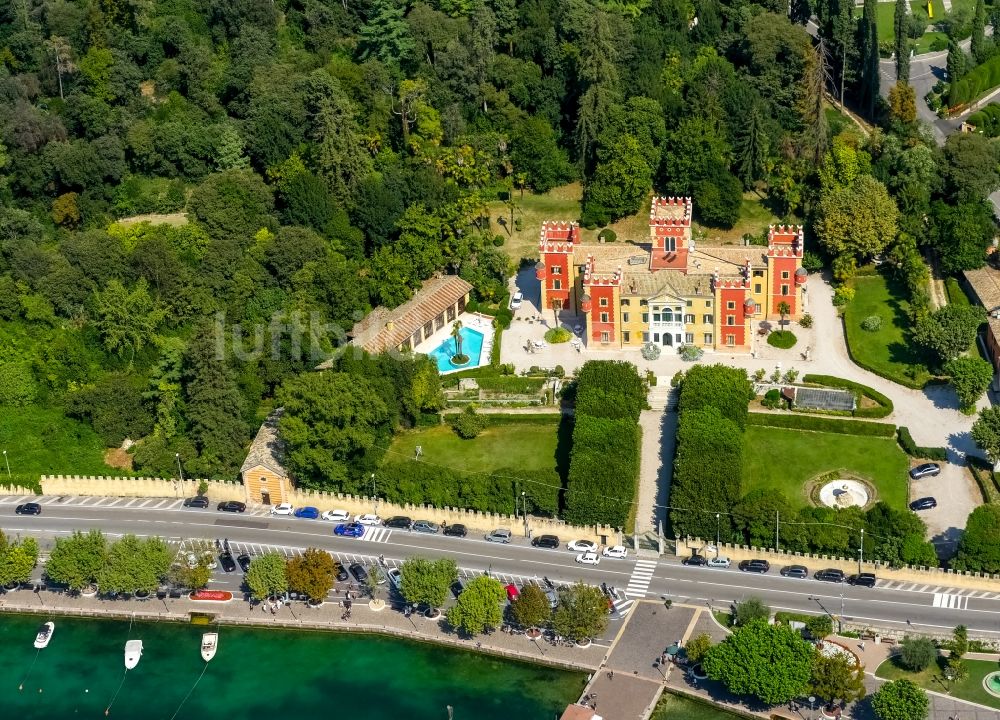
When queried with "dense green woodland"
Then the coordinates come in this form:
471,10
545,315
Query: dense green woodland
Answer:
332,154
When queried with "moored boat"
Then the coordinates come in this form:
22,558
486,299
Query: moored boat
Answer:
44,635
133,651
209,644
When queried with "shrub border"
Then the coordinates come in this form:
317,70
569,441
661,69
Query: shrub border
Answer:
884,409
913,450
844,426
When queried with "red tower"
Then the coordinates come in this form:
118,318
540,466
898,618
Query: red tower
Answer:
784,259
555,269
670,233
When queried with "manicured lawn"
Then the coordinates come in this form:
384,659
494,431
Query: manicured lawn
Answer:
677,707
41,440
971,688
528,447
786,459
888,351
927,41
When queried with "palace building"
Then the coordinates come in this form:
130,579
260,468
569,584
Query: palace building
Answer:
667,291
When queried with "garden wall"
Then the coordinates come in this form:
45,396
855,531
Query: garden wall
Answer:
217,491
924,576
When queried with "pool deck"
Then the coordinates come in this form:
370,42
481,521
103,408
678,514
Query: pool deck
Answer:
473,321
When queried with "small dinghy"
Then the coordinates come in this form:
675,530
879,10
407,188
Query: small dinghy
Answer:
44,635
209,644
133,651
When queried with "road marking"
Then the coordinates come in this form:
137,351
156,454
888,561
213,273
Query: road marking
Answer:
642,575
376,534
950,601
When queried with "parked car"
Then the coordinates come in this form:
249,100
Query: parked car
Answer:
500,535
456,530
231,506
425,526
795,571
307,513
588,558
400,522
512,592
516,300
863,579
553,597
925,470
199,501
359,573
396,578
349,530
30,508
341,574
336,515
924,503
615,551
244,560
757,566
583,546
720,562
282,509
830,575
457,588
696,560
368,519
546,541
228,564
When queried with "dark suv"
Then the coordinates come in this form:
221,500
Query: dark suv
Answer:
199,501
863,579
28,509
795,571
456,530
830,575
757,566
546,541
400,522
231,506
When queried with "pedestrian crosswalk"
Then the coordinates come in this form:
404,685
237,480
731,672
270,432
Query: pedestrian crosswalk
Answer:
948,600
946,597
376,534
642,575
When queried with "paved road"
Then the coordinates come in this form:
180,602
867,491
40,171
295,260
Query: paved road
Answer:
925,607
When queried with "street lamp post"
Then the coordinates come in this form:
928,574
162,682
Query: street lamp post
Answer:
524,512
861,556
812,705
7,463
718,526
374,499
180,471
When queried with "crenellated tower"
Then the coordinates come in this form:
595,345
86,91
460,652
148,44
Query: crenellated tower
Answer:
670,233
786,276
555,268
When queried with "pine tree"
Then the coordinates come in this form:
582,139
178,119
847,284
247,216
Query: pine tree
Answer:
600,86
902,43
980,45
868,29
751,147
958,62
386,34
814,79
844,41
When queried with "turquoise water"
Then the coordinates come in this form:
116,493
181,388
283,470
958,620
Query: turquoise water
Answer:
472,345
258,671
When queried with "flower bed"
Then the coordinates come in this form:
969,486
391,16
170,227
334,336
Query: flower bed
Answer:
211,596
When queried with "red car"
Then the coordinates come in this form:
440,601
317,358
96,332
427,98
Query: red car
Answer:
512,592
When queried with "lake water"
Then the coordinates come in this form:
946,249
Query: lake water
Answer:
258,672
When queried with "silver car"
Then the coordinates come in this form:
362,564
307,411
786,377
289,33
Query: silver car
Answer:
500,535
425,526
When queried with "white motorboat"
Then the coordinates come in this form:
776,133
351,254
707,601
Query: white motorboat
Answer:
44,635
209,644
133,651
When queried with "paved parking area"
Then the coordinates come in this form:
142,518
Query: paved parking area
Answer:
957,496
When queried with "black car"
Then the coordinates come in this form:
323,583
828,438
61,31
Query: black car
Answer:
925,470
399,521
695,560
244,560
456,530
228,564
863,579
546,541
232,506
757,566
830,575
925,503
795,571
199,501
359,572
341,574
28,509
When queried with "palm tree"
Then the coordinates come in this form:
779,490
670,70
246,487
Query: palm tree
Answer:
783,310
456,332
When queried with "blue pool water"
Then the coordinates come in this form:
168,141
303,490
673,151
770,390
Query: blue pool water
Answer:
472,345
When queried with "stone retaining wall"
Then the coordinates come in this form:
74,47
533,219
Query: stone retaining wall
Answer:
168,488
908,574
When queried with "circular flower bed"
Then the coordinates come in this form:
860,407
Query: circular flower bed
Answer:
459,360
558,335
783,339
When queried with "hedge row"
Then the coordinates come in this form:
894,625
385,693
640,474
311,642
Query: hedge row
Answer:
981,79
914,450
884,404
985,479
822,424
512,418
986,120
511,384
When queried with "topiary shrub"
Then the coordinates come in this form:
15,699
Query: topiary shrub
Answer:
782,339
650,351
469,424
772,399
843,295
690,352
806,321
498,241
872,323
607,235
557,335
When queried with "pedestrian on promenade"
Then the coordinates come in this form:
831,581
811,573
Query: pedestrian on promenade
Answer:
862,645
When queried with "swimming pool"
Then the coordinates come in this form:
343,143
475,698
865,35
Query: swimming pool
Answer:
472,345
